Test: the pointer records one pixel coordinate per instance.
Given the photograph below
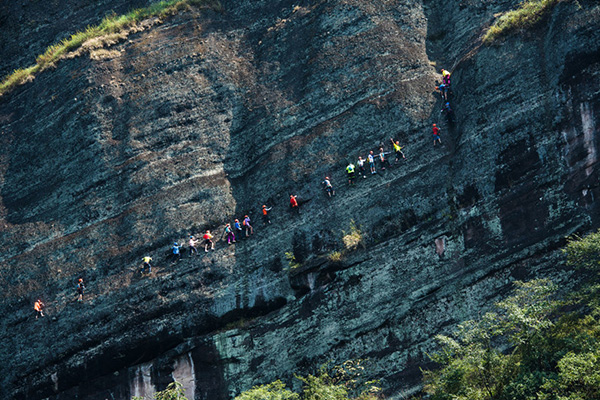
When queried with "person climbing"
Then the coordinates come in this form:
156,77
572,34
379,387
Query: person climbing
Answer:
397,150
237,227
436,134
351,173
208,241
175,252
383,159
371,159
443,88
247,225
446,78
361,167
265,214
294,204
146,264
193,242
80,289
230,235
328,187
38,307
447,110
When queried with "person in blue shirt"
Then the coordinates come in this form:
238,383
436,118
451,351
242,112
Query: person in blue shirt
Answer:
176,252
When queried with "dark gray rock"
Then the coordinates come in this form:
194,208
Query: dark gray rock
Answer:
205,118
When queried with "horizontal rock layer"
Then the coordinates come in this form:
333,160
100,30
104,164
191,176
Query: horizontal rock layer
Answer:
191,123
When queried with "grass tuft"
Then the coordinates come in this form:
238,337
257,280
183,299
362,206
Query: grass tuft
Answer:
529,13
110,25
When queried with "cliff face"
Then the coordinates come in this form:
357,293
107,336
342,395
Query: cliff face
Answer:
203,119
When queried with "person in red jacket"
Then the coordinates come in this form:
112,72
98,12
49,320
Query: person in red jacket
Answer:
294,204
208,241
436,135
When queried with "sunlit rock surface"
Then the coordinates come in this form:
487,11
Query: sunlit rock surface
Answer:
190,124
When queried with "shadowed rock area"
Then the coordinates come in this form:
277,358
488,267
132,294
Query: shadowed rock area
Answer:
186,125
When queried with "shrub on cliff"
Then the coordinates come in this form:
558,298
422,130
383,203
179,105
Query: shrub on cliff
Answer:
529,13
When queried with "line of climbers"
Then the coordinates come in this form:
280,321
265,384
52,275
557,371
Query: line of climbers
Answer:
245,229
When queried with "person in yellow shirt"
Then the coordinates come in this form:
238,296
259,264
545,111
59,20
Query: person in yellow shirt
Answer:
146,264
398,150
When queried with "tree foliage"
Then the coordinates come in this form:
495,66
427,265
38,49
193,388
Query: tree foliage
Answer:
341,382
529,347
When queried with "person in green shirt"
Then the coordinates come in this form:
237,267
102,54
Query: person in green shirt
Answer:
398,150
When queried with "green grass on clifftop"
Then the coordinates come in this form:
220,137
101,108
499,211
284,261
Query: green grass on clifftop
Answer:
110,25
529,13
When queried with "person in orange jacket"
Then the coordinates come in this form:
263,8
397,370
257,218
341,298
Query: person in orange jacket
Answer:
265,214
39,308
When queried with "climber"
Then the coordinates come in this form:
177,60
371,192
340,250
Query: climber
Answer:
361,167
208,241
371,162
351,174
328,187
80,289
447,110
436,135
443,91
237,227
230,235
247,225
397,150
294,204
383,159
193,242
146,264
38,307
175,252
265,214
446,78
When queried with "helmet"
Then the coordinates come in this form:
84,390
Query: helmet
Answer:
447,104
434,125
237,220
175,244
80,279
207,231
191,237
264,206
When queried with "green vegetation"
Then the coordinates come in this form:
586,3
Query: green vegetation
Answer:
335,256
353,237
344,382
292,263
110,25
584,253
529,347
272,391
529,13
174,391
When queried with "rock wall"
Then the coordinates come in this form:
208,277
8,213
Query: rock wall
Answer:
208,116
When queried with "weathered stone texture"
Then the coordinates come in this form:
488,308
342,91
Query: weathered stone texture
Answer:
203,119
